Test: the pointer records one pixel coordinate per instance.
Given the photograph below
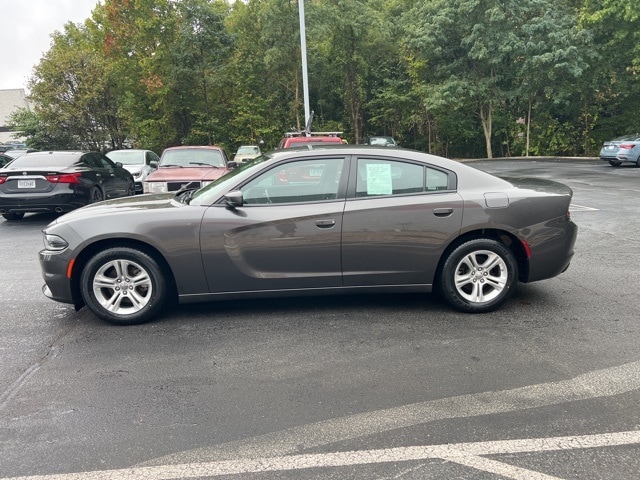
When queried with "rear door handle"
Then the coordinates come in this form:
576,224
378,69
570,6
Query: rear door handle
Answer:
442,212
325,223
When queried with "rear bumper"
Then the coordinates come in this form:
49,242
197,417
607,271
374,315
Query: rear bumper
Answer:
619,158
552,248
63,202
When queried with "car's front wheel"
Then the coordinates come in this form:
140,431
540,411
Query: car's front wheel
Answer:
478,276
123,286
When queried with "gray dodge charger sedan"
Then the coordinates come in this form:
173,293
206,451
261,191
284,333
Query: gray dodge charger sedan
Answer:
322,221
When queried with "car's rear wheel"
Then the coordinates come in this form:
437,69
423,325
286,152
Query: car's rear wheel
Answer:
615,163
95,195
13,216
478,276
123,286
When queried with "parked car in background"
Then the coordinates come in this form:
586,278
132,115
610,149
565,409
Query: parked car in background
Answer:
187,168
324,221
383,141
139,162
246,152
4,159
621,150
60,182
301,139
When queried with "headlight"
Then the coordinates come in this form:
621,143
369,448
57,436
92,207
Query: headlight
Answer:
137,174
155,187
54,242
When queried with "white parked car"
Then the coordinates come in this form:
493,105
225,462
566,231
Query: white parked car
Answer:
246,153
138,162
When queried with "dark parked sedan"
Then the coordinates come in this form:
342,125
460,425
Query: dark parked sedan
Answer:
60,182
323,221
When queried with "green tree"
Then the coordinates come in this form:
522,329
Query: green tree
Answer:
71,91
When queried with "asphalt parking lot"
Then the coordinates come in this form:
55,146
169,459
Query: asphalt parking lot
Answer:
396,386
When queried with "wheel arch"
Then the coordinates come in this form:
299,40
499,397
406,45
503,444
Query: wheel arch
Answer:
88,252
507,239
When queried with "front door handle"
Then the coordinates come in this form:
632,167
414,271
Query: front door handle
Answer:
442,212
325,223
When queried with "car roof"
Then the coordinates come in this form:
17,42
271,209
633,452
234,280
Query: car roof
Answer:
362,150
57,152
192,147
128,150
625,138
317,138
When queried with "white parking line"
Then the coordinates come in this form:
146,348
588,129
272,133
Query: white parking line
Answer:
598,383
462,453
581,208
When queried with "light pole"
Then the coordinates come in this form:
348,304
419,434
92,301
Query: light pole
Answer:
305,78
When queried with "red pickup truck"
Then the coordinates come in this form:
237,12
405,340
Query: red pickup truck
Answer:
187,167
301,139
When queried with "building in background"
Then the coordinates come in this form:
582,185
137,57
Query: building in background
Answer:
10,101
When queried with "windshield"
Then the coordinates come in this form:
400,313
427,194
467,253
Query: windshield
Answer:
44,161
219,187
127,157
192,157
381,141
248,150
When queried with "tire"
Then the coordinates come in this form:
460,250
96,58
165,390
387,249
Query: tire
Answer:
95,195
615,163
131,189
478,276
104,276
13,216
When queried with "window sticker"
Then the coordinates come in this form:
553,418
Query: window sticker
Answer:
379,179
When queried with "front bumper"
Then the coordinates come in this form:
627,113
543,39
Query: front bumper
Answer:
57,285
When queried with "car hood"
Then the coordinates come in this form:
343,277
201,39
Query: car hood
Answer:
136,203
133,168
179,174
245,156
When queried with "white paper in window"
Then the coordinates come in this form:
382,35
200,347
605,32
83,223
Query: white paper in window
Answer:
379,179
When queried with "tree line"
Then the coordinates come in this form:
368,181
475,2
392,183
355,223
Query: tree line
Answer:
459,78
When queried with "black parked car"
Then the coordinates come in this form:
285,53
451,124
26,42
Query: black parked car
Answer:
60,182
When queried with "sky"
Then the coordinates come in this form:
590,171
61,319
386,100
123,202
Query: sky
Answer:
25,33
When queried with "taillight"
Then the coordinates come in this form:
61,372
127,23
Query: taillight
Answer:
65,178
2,180
627,146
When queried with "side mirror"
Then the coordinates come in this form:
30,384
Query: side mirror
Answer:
232,165
234,199
153,164
119,164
